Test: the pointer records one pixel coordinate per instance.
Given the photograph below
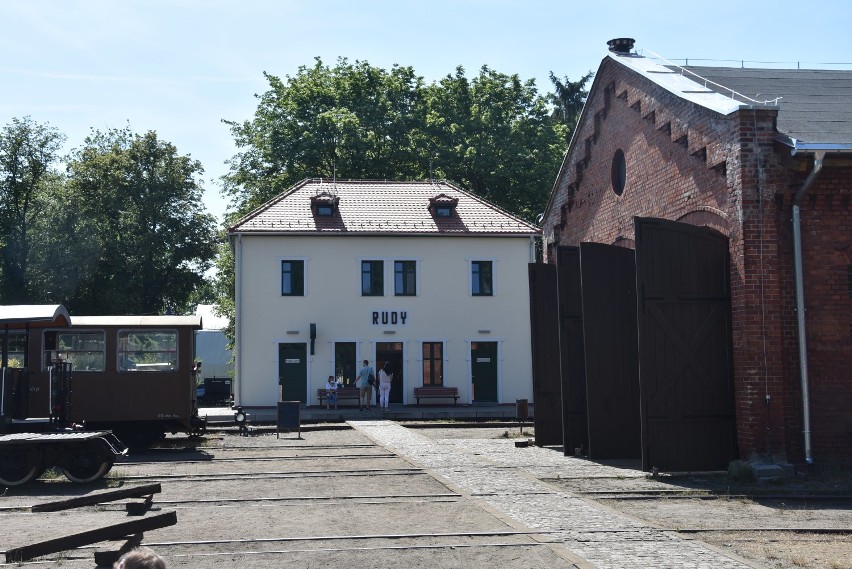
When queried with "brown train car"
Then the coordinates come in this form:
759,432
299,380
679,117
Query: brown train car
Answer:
134,375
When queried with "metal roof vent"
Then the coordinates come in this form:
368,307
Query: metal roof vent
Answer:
621,46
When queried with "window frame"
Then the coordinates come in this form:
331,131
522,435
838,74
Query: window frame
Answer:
470,274
411,264
45,363
304,264
433,359
380,274
477,277
154,330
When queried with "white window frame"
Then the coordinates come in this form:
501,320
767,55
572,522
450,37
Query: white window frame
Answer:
304,276
494,262
418,269
384,261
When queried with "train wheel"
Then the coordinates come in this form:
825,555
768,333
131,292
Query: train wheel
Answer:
19,467
87,465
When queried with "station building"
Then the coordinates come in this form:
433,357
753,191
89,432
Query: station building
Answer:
423,275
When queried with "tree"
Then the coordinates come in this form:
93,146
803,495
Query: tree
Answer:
152,237
495,137
349,121
568,100
27,151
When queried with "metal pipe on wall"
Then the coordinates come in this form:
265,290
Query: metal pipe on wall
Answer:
819,156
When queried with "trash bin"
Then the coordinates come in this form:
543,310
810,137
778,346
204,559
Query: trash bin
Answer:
521,409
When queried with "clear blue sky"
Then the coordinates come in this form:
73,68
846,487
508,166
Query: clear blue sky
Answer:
180,66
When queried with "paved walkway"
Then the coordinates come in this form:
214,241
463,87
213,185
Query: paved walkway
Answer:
505,479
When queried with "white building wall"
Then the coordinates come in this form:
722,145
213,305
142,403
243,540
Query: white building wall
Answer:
443,310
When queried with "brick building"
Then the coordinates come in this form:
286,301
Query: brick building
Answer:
743,152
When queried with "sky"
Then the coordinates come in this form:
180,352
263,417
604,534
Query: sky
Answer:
179,67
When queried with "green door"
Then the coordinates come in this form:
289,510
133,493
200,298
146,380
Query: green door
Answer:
483,366
293,372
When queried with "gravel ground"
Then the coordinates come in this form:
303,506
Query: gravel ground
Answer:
333,498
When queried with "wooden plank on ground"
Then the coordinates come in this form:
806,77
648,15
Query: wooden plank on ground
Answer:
99,497
116,531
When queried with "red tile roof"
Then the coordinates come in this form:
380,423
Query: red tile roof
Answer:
380,207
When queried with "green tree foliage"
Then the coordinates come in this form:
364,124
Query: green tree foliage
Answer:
350,121
495,137
568,100
147,227
27,152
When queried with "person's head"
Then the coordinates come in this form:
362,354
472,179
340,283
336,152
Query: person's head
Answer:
331,379
141,558
387,368
366,363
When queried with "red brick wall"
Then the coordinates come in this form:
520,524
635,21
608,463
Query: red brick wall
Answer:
826,223
687,163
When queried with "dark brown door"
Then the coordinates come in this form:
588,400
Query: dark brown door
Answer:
391,353
685,348
544,324
608,276
572,362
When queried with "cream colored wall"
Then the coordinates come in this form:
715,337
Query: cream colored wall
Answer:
443,310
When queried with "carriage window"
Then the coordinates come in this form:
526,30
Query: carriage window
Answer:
17,342
147,350
84,350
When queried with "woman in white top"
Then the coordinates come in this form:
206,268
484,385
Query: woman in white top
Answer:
385,379
331,392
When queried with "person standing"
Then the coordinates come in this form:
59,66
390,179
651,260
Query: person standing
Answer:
385,380
366,379
331,392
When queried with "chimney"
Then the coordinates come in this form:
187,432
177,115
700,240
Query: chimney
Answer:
621,46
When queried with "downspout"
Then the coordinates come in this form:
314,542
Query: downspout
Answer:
238,254
819,155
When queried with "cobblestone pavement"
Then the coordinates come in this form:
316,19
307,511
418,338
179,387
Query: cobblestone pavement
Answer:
505,478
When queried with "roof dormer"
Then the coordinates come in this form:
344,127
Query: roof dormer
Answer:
324,204
443,205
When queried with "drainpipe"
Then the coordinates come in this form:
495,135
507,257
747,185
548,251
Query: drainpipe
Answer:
238,329
819,155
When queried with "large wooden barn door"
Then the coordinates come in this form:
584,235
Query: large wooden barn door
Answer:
547,389
612,360
685,348
572,362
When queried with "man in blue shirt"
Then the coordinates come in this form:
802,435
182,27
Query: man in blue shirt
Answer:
365,388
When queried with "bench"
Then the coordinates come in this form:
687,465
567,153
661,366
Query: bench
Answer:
342,393
436,392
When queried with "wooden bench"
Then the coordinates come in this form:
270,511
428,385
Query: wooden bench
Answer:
436,392
342,393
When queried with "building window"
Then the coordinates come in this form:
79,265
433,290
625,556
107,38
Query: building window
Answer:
433,363
618,172
85,351
147,350
325,210
372,278
482,279
292,278
345,366
443,211
405,278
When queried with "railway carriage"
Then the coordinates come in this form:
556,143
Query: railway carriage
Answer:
134,375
